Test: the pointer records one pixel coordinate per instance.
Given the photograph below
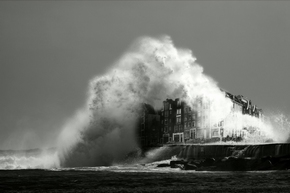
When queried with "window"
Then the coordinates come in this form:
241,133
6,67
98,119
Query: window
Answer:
199,114
199,124
165,121
192,133
179,103
178,120
185,118
166,129
170,112
175,128
166,113
180,127
178,111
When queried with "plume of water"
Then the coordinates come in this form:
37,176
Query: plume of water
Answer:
153,69
281,123
102,132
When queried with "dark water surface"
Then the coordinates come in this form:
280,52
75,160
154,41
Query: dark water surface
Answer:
130,180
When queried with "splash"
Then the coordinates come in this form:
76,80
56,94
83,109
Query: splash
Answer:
153,69
29,159
102,132
281,123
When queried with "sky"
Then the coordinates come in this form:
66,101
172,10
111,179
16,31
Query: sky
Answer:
49,51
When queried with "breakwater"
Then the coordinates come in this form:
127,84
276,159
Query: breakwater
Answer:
217,151
227,157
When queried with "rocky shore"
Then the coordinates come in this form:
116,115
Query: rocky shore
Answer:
232,164
228,157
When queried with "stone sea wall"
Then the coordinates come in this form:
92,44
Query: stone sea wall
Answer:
228,157
194,151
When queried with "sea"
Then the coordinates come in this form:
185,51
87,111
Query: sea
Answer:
141,178
27,171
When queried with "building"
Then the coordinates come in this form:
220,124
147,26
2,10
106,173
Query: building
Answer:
181,124
176,122
149,127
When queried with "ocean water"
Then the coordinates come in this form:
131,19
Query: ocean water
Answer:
29,172
140,178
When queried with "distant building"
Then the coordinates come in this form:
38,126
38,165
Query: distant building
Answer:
176,122
180,123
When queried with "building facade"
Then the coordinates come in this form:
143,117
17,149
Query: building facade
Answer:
177,122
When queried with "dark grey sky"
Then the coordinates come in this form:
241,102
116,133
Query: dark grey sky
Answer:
50,50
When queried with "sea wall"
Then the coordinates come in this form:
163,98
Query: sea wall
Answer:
217,151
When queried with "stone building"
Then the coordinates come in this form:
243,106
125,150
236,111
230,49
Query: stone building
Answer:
177,120
149,127
182,124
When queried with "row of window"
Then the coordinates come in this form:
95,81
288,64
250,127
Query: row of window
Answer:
187,109
178,120
179,128
167,113
168,105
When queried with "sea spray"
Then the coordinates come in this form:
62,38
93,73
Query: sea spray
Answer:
103,132
151,71
29,159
